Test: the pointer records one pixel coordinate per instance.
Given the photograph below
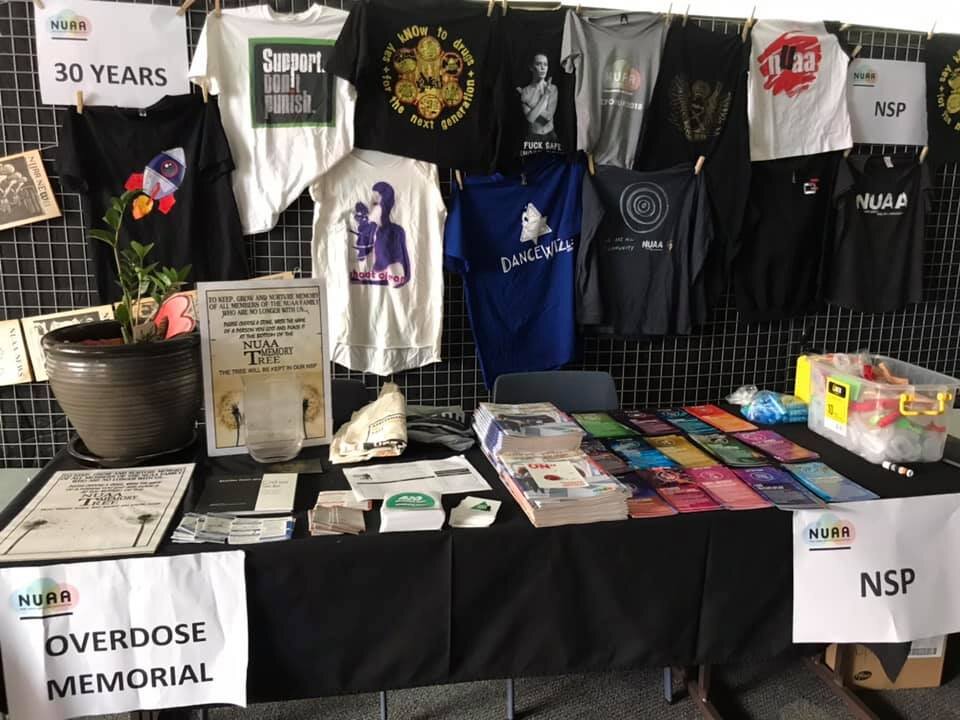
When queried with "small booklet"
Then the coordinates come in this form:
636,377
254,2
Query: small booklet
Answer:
555,475
729,451
780,488
776,446
726,488
720,418
336,521
678,448
602,425
646,423
644,502
828,484
685,421
608,461
640,455
271,494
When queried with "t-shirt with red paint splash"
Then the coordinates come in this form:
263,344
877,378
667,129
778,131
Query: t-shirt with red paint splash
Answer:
797,104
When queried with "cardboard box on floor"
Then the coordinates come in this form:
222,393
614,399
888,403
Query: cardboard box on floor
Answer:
923,669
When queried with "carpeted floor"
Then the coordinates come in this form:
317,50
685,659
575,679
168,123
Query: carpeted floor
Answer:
783,690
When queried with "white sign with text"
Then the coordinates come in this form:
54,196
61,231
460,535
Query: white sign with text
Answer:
121,54
887,101
118,635
880,571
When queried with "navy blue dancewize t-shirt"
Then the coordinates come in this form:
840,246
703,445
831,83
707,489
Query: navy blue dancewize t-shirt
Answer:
514,240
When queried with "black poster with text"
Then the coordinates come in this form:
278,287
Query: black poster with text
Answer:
289,84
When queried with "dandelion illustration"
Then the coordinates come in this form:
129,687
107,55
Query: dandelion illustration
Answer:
228,412
27,529
312,406
143,519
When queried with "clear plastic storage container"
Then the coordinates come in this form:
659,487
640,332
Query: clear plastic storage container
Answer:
879,420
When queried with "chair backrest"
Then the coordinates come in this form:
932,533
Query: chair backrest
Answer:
569,390
348,396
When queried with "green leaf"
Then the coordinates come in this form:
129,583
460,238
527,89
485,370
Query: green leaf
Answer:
137,248
112,218
184,273
128,196
122,313
103,236
147,249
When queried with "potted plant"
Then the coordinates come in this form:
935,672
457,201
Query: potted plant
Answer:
129,391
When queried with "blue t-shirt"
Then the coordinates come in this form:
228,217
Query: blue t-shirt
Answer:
514,241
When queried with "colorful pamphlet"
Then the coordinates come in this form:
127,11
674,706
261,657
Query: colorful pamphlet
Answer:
688,497
604,457
727,489
644,501
646,423
828,484
681,450
779,487
685,421
719,418
729,451
640,455
601,425
776,446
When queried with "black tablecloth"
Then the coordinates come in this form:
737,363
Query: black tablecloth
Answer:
335,614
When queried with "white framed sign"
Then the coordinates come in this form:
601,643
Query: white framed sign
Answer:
879,571
116,53
887,100
251,331
91,638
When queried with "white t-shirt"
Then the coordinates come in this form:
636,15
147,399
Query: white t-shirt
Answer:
287,120
797,101
378,244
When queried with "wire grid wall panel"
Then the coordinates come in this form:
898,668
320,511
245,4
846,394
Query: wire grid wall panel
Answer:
44,268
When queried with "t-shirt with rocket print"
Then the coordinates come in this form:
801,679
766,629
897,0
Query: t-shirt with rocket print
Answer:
175,154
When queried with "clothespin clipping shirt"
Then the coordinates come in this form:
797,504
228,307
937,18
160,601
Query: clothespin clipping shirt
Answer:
184,6
80,102
38,3
686,14
699,166
923,153
205,89
748,24
216,7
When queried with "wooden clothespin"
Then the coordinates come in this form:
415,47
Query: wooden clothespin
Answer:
216,7
669,15
591,168
205,89
490,4
856,51
748,23
184,6
504,6
686,14
846,153
80,102
39,4
458,176
579,9
699,166
932,28
844,26
923,153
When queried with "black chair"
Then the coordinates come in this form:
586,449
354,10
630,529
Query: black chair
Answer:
569,390
347,397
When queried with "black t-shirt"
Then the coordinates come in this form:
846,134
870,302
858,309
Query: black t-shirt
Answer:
876,264
699,107
175,152
643,241
778,259
425,74
943,97
536,94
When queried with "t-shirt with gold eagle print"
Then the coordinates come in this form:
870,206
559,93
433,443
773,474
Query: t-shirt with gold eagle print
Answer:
425,74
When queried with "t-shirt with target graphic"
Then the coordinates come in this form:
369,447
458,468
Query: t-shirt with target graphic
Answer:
644,240
797,103
425,74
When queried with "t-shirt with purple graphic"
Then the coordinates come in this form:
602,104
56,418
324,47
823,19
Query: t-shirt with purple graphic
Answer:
378,244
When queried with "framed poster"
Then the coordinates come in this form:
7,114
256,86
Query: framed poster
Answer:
250,332
25,192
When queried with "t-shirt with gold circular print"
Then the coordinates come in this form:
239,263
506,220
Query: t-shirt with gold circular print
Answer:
425,73
943,97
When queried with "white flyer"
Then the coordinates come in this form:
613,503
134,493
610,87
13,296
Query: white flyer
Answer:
95,513
252,333
887,102
115,53
92,638
879,571
447,476
34,328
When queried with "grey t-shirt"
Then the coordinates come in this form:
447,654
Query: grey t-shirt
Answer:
616,59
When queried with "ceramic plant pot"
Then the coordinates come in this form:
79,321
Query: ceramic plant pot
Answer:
126,401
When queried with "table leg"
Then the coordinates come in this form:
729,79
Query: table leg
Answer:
699,690
383,705
510,713
834,681
668,684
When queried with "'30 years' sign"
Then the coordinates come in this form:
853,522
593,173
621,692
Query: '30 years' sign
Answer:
115,53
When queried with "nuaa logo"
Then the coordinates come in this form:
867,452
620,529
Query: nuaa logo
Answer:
829,533
44,598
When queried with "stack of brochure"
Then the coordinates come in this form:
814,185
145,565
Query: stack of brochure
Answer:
213,528
562,487
338,512
530,427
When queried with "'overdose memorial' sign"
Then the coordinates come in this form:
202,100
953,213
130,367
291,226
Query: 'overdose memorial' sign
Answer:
112,636
123,54
881,571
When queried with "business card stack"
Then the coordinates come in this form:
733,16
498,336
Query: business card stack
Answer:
474,512
338,512
411,510
562,487
230,530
